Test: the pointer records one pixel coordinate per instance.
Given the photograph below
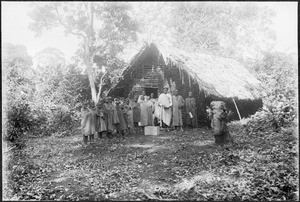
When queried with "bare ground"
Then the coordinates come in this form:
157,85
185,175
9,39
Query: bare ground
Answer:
175,165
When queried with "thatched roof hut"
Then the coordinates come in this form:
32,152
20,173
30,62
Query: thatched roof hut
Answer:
156,65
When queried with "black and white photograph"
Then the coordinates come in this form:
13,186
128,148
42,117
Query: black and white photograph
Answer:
150,100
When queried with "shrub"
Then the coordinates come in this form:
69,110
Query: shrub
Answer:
277,71
20,121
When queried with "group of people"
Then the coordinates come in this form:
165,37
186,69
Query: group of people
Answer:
131,115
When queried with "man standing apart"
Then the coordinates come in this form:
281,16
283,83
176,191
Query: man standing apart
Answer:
178,103
165,103
190,106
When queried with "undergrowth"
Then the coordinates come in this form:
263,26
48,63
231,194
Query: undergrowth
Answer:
261,164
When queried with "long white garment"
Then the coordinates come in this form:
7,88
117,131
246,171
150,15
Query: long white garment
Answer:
165,100
155,108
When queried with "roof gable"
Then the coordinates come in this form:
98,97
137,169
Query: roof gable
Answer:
218,76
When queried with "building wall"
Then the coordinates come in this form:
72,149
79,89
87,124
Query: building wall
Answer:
148,78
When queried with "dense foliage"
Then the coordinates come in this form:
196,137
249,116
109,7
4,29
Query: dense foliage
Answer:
228,29
17,85
41,100
277,72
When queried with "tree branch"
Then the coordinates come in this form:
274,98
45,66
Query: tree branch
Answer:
63,24
186,8
100,86
93,55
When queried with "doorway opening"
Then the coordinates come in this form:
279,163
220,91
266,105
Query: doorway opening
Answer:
148,91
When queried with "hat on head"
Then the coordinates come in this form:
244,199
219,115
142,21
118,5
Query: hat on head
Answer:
166,87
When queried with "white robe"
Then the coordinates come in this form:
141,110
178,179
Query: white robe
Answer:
146,113
165,100
155,108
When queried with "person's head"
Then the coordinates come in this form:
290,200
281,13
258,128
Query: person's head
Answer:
190,94
108,100
142,97
127,101
175,92
165,90
152,95
144,92
116,100
136,98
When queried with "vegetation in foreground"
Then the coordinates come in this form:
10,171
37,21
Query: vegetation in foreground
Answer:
259,165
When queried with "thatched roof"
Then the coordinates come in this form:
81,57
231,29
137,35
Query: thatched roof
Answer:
217,76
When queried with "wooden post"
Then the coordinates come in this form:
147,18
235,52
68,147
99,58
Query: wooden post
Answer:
237,109
161,115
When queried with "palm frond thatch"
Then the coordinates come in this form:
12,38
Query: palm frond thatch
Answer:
217,76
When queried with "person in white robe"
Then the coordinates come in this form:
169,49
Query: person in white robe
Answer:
143,95
165,103
155,109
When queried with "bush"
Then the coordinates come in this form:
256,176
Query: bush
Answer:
40,112
20,121
277,72
53,117
282,110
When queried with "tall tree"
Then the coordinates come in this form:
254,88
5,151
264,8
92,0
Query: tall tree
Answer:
234,30
229,29
49,57
155,19
104,29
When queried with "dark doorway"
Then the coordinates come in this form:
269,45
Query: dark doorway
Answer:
151,90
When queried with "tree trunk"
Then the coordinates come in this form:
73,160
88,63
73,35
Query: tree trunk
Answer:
100,87
88,57
91,80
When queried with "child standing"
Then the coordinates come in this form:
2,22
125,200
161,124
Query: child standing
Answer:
101,118
128,115
88,123
121,126
136,112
